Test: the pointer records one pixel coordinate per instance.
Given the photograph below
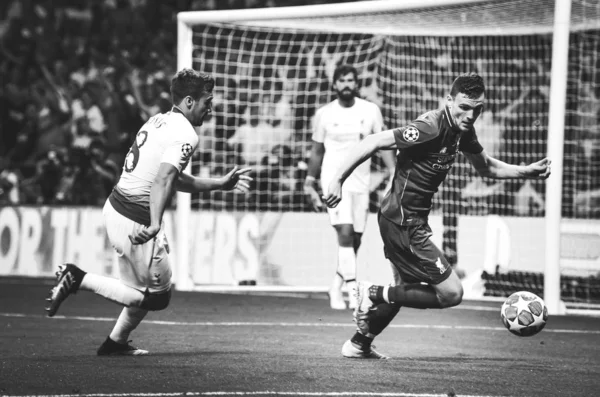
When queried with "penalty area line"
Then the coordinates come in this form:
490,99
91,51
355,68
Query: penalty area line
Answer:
289,324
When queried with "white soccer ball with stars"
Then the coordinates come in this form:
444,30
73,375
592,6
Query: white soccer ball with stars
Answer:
524,313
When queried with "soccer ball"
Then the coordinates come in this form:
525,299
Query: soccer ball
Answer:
524,313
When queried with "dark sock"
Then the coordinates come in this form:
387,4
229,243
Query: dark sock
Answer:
361,340
381,316
417,296
376,294
78,273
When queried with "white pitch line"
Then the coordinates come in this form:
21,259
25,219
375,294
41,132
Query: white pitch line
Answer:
248,393
290,324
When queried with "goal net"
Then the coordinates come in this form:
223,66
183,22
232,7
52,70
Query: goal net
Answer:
274,67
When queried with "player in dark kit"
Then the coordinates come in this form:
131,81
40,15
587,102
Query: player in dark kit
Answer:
427,149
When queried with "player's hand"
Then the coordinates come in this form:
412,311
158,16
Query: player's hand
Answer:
237,179
315,199
144,234
540,169
334,196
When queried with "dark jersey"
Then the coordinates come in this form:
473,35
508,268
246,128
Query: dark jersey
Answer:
427,150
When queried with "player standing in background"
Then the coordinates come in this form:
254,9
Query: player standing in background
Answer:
133,213
337,127
427,150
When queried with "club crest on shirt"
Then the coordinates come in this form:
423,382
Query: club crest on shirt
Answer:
186,150
440,266
411,134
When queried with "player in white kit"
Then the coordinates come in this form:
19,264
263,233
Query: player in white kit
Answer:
337,127
134,210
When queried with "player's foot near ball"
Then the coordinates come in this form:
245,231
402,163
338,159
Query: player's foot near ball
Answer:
350,350
336,300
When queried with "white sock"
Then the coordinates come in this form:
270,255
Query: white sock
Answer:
112,289
129,319
347,263
337,283
351,289
386,289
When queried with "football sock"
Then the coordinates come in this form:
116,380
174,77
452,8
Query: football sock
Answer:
361,340
351,287
112,289
417,296
77,273
337,283
381,316
347,263
129,319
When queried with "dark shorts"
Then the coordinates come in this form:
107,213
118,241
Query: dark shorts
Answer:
412,253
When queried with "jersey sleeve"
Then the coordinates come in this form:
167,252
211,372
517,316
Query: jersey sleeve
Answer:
421,130
179,152
318,134
469,143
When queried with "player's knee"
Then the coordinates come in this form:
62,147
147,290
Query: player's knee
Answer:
346,241
345,235
156,302
451,298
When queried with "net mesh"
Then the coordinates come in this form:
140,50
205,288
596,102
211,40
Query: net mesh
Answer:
270,82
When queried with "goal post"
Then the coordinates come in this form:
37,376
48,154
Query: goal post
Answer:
274,64
556,141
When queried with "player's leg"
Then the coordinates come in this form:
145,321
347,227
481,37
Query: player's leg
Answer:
357,241
352,299
369,325
71,278
341,219
127,290
154,278
443,287
117,343
360,212
419,261
346,265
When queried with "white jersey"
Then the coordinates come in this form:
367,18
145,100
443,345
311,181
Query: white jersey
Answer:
341,128
165,138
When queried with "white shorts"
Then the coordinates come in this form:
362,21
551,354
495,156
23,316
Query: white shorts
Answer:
352,210
143,266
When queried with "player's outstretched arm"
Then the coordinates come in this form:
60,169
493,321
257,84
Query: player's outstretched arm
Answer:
358,155
236,179
490,167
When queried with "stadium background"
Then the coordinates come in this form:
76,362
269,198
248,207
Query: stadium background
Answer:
81,77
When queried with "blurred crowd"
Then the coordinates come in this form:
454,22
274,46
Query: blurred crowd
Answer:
81,77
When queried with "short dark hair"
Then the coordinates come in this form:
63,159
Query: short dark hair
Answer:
470,84
343,70
188,82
